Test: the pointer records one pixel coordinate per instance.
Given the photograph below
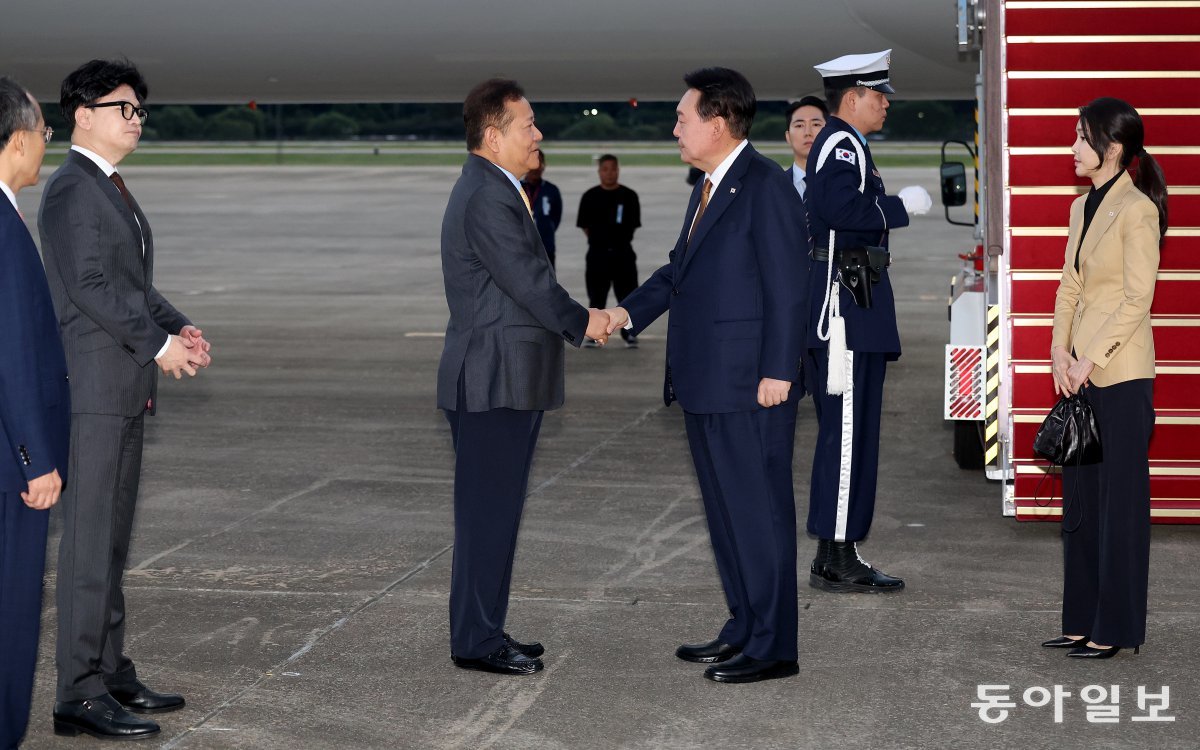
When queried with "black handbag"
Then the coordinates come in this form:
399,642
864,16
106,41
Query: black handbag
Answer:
1069,436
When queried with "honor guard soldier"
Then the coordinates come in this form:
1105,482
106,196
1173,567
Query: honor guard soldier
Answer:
855,336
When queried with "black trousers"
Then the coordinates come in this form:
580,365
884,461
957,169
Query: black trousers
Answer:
22,563
744,467
104,467
1106,521
845,468
609,268
493,451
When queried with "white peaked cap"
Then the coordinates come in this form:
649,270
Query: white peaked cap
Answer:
870,70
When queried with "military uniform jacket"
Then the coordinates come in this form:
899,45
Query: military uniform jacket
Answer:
100,265
1102,311
859,219
35,403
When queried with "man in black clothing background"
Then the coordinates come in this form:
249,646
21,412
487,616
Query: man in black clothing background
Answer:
546,203
609,214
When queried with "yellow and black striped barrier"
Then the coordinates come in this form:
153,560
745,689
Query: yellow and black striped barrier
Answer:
991,398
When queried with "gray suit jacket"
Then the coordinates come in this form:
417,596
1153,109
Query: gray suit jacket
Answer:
508,314
113,320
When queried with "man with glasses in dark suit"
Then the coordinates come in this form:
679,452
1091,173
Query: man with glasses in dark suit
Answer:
117,331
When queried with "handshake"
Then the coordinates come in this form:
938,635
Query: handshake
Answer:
185,352
602,323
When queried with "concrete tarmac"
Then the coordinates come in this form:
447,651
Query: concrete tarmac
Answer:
292,553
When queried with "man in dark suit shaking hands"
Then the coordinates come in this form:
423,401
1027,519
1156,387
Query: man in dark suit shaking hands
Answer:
35,411
501,368
735,288
117,331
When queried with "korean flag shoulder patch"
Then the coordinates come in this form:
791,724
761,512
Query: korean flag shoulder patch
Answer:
844,154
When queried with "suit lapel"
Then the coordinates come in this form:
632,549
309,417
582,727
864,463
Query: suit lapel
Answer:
681,243
1076,225
147,241
1106,214
109,188
722,196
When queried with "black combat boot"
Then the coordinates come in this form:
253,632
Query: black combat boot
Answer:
838,568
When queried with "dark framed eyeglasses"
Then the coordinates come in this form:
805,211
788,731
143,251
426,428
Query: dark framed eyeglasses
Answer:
47,132
128,110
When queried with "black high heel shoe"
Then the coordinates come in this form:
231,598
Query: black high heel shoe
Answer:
1087,652
1064,642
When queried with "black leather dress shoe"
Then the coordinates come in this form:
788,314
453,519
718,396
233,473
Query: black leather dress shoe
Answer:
838,568
100,717
504,660
707,653
1065,642
1091,652
531,649
742,668
140,699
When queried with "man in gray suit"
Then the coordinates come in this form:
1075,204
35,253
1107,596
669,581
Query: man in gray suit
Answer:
116,331
501,368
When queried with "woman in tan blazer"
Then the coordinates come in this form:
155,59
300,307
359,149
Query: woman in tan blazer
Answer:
1103,346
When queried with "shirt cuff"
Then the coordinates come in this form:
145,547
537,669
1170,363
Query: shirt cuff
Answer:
163,350
628,324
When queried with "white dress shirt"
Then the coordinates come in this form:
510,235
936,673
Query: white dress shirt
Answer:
718,174
798,176
8,193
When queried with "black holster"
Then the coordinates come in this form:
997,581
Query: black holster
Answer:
859,269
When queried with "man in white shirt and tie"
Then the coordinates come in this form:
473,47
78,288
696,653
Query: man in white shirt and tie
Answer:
805,118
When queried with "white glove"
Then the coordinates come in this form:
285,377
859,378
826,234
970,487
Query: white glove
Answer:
916,199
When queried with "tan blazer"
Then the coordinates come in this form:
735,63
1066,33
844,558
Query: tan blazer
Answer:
1102,312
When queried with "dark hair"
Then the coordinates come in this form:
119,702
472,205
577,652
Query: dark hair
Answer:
485,107
95,79
607,157
1107,121
807,101
727,94
834,97
17,110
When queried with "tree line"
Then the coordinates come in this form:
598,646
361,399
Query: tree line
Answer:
625,121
